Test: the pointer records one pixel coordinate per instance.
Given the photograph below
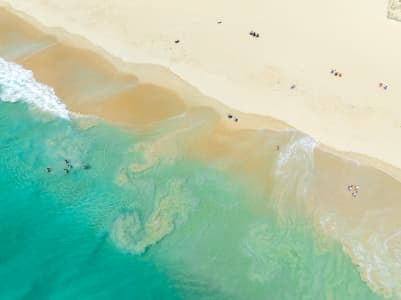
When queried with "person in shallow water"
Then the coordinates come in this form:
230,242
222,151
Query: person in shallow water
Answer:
68,163
48,170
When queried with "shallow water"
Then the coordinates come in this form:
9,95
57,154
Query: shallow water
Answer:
128,228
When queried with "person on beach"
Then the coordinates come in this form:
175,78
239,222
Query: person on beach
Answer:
254,34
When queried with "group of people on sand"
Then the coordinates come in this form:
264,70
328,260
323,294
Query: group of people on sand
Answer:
254,34
68,167
336,73
339,74
354,190
231,117
383,86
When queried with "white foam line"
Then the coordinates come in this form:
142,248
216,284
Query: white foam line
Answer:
18,84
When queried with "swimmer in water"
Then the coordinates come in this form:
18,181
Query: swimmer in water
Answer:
48,170
66,171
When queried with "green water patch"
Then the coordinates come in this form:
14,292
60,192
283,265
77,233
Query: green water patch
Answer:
179,229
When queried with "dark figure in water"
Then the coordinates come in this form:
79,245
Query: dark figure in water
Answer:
86,167
66,161
66,171
48,170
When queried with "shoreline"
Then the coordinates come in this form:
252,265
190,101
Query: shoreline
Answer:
162,76
365,123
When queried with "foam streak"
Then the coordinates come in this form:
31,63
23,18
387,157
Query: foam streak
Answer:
18,84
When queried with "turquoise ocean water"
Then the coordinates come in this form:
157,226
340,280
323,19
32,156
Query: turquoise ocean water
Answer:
180,229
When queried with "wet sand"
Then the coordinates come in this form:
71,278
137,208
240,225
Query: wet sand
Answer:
89,84
278,160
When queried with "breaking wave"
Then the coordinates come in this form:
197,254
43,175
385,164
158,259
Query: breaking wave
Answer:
18,84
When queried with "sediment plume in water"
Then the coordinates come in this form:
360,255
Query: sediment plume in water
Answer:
291,171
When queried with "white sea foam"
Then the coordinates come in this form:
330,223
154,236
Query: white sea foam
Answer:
293,172
300,149
377,255
19,84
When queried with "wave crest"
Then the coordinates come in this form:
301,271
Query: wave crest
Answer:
18,84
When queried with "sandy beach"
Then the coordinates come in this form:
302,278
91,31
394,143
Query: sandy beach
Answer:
299,44
199,61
